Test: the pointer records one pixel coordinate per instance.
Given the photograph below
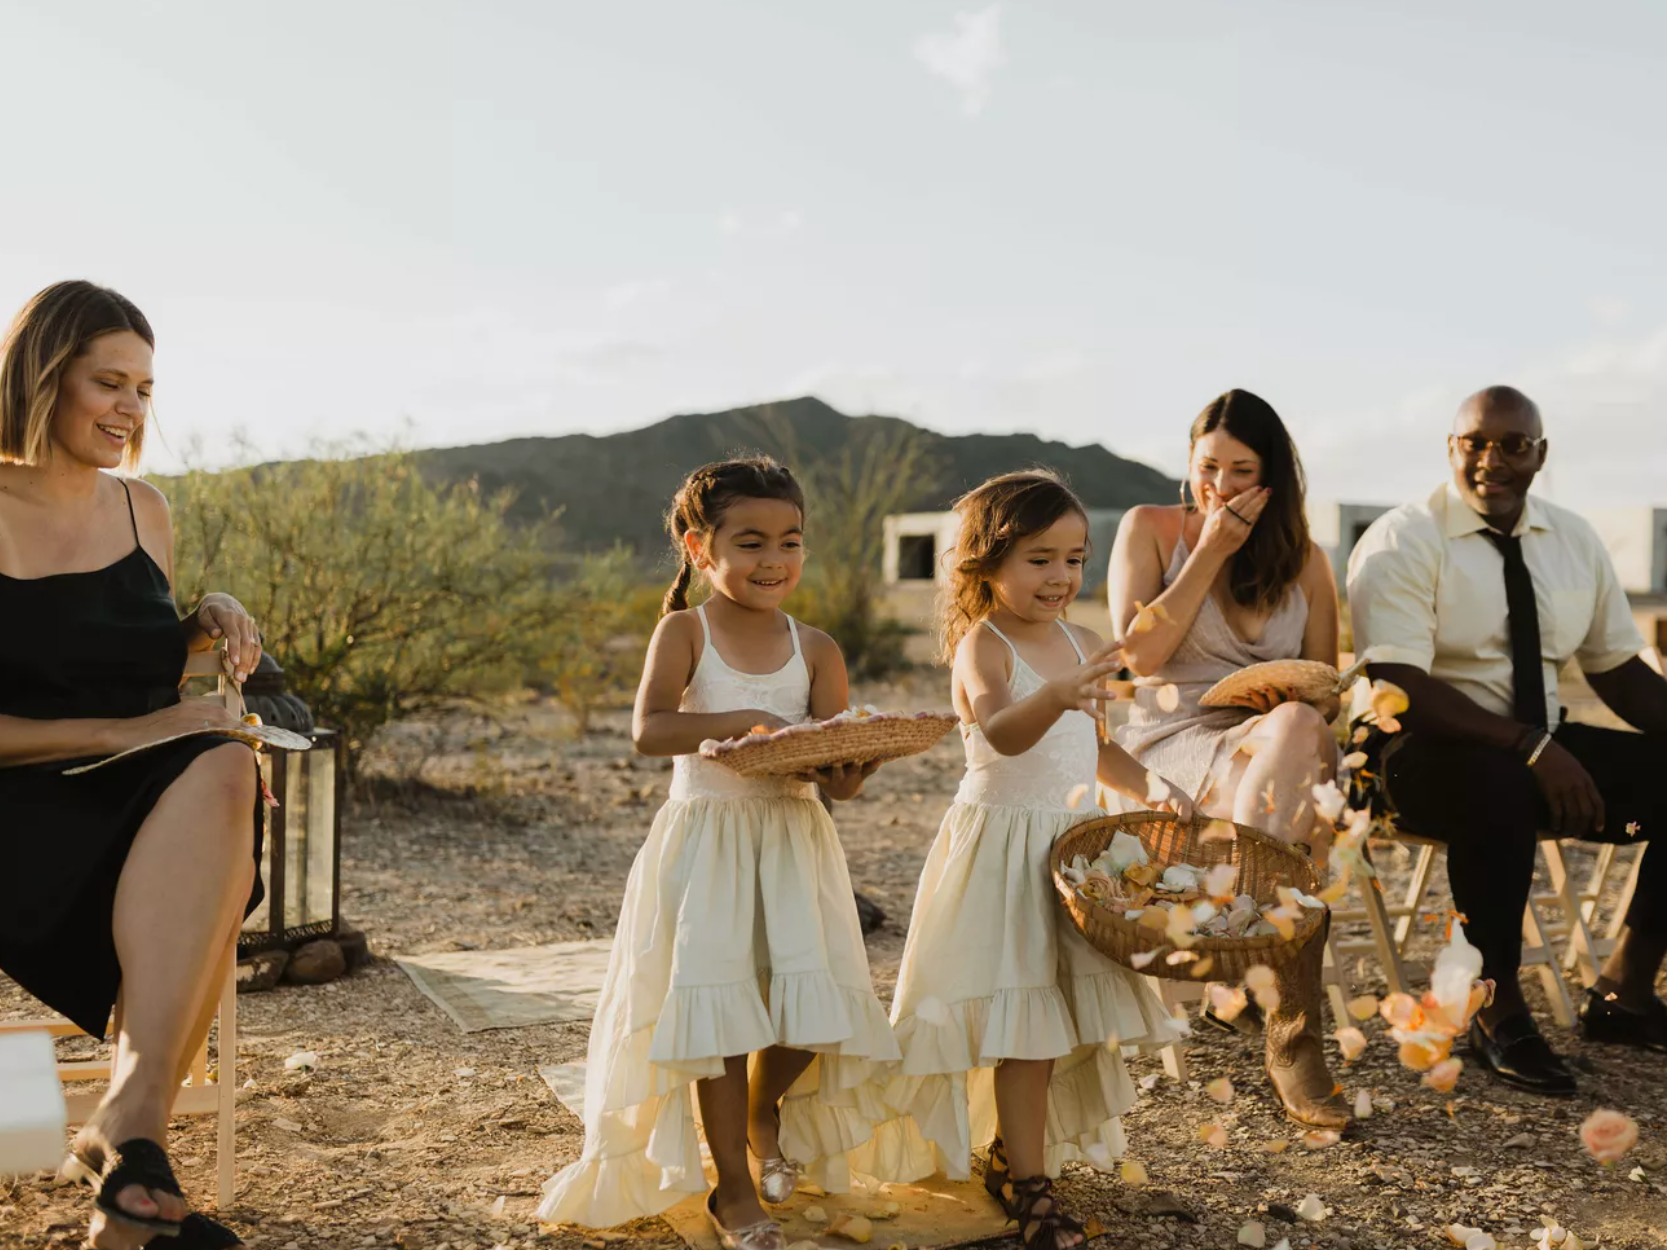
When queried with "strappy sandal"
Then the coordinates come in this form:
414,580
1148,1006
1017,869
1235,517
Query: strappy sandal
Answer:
998,1180
1040,1230
138,1161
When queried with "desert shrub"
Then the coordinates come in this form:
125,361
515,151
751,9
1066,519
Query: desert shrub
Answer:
591,646
379,592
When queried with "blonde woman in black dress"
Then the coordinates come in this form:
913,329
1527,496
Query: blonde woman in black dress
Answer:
125,887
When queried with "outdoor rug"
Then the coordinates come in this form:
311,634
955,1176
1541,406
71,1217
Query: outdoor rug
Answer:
480,990
933,1214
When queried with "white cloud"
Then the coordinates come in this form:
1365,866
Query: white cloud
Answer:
1052,366
625,294
786,223
966,57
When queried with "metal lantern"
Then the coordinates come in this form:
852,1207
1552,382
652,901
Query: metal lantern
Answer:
301,859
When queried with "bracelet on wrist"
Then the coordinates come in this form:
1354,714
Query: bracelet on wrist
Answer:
1539,747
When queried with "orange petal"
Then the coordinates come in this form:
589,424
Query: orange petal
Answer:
1220,1089
1213,1136
1352,1042
1320,1138
1364,1007
1444,1075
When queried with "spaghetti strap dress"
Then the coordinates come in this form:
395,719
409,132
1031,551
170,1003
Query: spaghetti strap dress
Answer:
1168,730
102,644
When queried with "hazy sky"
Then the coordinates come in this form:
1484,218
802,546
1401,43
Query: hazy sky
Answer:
1075,217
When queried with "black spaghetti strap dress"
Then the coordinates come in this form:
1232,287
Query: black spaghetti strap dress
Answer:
84,645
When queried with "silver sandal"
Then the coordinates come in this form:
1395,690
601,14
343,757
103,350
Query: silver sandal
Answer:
764,1235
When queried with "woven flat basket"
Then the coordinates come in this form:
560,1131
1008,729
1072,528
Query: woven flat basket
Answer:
804,748
1306,681
1264,864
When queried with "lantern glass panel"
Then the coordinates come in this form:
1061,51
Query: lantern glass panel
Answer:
297,810
315,886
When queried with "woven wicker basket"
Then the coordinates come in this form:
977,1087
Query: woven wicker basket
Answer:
1264,864
823,744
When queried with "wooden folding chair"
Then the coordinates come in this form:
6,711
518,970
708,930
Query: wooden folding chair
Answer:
1578,906
1391,926
201,1095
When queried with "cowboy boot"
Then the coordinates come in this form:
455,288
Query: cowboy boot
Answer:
1296,1061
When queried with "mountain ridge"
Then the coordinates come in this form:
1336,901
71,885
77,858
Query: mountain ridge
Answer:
614,488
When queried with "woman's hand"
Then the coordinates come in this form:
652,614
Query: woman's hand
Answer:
1172,799
183,717
842,782
1228,525
1083,688
220,616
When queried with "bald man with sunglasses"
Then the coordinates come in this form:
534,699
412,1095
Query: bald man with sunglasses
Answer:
1472,602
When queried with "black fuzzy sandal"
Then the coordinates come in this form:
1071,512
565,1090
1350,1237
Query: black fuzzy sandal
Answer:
198,1232
138,1161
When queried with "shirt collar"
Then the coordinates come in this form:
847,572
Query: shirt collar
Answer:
1458,519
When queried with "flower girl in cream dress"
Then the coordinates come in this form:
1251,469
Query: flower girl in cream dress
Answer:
1010,1023
738,935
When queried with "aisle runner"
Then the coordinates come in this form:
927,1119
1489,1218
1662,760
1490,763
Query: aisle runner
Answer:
481,990
935,1213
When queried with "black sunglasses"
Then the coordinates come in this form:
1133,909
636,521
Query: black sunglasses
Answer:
1514,446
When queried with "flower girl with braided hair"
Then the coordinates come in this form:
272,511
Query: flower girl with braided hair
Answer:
738,935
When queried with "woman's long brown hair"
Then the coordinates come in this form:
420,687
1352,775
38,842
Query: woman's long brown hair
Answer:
1276,552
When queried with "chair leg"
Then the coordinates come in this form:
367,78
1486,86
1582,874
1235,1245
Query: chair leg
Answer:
1617,922
1383,936
225,1153
1335,981
1581,950
1537,954
1417,888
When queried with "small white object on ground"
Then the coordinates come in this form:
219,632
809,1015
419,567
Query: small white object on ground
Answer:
31,1105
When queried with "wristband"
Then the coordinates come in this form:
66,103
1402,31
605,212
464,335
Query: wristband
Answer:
1539,748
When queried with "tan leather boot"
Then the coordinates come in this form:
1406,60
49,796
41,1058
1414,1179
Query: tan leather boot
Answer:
1296,1061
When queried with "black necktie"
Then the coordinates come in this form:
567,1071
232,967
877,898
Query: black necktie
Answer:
1523,624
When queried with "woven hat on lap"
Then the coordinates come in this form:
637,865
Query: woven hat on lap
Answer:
1304,681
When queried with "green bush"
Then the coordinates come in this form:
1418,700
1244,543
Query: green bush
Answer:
379,592
591,649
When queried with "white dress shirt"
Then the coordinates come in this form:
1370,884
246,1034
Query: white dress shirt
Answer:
1427,588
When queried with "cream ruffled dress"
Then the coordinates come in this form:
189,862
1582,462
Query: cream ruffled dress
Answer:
738,932
994,970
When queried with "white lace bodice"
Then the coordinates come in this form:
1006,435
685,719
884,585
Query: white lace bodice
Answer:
716,687
1067,757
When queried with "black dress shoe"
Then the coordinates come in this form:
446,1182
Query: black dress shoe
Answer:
1517,1054
1603,1019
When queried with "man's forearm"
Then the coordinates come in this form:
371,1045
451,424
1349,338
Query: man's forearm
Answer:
1636,693
1434,707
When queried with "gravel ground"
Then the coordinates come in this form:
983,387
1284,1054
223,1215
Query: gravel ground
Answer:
409,1132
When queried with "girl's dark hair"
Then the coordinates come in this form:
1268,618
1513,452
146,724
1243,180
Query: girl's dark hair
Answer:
995,518
51,330
1274,555
706,494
